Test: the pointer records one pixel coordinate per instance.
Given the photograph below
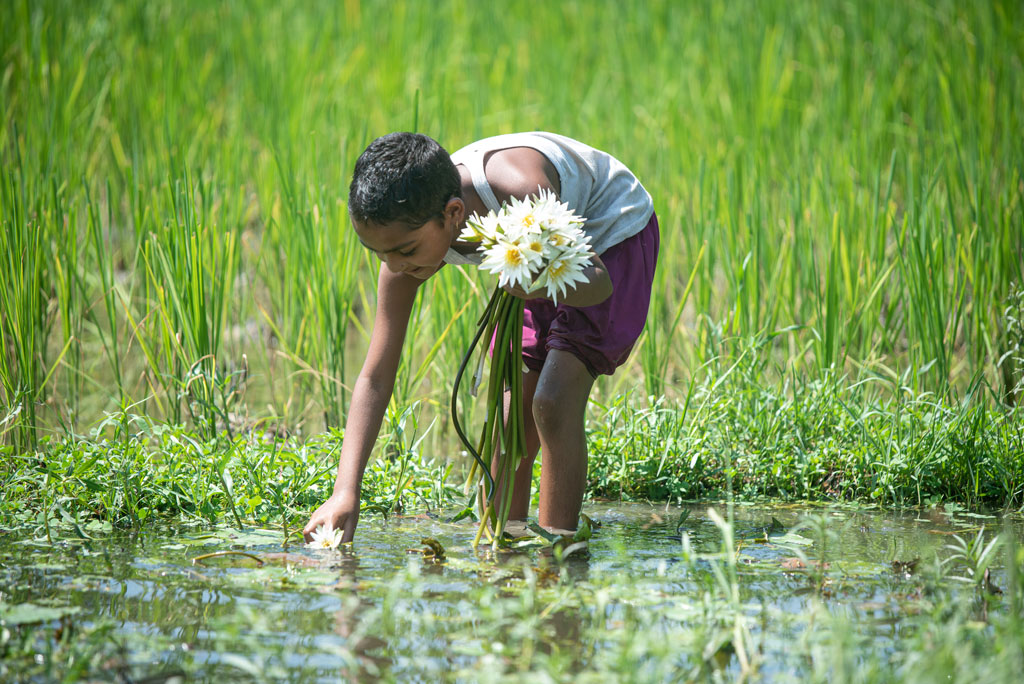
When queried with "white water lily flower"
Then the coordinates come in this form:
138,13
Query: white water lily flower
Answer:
538,239
568,229
555,215
525,217
482,228
562,272
534,246
557,242
325,538
511,261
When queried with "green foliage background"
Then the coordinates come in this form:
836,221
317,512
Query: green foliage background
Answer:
841,181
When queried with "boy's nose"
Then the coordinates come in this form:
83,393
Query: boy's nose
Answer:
396,264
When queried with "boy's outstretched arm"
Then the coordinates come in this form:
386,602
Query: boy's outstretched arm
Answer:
396,293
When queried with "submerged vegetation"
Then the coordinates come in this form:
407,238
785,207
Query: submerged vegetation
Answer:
839,596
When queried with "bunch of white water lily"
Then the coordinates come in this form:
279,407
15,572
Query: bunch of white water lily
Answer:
529,244
532,244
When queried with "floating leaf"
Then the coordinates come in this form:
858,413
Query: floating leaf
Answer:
431,549
235,555
905,568
978,515
31,613
546,574
792,564
584,531
466,512
284,558
544,534
565,548
791,539
795,564
434,546
655,520
235,537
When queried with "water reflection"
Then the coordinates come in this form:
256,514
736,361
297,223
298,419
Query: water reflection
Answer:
362,612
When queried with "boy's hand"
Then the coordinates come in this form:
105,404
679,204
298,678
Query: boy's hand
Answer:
340,511
595,289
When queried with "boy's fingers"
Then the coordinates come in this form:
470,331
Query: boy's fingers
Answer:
350,528
307,531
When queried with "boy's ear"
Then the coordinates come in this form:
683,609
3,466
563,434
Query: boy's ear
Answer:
455,210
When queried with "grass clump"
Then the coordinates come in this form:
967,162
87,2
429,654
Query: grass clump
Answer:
875,441
740,431
145,473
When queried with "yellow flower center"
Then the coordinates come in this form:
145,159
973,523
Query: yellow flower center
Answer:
513,256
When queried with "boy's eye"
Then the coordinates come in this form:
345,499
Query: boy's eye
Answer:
408,252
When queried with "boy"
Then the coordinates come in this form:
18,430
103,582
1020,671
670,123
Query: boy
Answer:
409,201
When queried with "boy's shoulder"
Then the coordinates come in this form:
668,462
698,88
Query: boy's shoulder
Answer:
519,171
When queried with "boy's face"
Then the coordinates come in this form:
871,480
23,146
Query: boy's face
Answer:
417,252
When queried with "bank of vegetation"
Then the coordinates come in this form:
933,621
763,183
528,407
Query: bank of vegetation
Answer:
837,312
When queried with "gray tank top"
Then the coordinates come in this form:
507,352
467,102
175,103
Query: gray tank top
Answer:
594,184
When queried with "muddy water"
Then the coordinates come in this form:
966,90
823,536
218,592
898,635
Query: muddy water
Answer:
384,608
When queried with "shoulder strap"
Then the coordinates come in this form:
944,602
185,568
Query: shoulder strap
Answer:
475,164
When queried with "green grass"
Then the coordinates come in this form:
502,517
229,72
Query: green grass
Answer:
844,180
147,473
738,435
824,440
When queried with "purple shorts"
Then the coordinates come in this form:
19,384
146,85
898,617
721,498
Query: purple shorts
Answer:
601,336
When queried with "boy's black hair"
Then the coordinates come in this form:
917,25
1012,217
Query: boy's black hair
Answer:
404,178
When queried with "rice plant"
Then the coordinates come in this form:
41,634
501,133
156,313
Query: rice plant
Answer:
842,179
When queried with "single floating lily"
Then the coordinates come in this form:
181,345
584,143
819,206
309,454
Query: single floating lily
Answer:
325,538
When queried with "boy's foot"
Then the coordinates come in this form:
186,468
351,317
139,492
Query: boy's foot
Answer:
520,528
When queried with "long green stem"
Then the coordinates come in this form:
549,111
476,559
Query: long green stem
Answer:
504,434
484,326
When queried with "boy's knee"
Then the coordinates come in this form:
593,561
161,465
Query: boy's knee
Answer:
543,405
551,408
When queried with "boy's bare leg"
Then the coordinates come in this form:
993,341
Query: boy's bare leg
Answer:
559,406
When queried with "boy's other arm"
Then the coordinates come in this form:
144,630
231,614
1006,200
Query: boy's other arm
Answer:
522,172
371,393
596,289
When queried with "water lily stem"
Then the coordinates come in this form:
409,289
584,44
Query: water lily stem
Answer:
217,554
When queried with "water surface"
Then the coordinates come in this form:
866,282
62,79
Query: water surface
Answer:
381,608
